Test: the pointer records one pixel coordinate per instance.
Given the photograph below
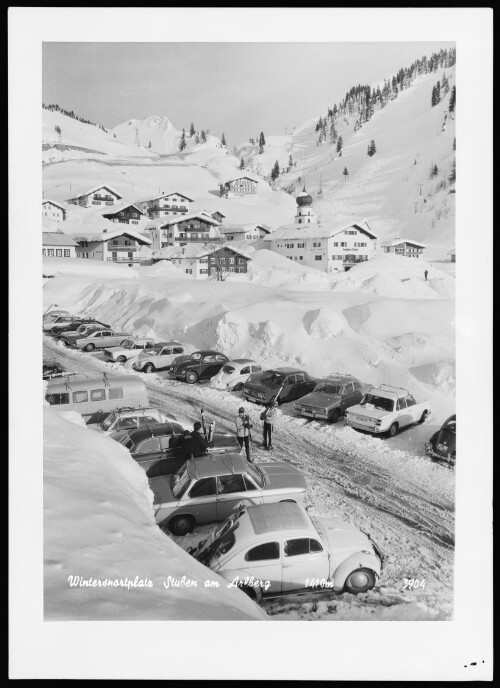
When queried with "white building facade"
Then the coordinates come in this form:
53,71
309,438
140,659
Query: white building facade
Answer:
164,205
100,195
403,247
51,210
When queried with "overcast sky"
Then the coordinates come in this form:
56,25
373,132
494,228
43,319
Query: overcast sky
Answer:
236,88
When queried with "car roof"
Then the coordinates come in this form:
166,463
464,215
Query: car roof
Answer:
217,464
155,430
207,351
170,343
339,379
271,518
285,370
241,360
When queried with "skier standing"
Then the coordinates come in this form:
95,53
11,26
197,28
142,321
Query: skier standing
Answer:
243,426
425,274
269,417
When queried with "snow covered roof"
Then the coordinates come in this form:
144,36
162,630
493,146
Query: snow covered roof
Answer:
314,230
118,208
57,239
241,176
59,205
194,251
398,242
239,229
86,192
144,199
167,221
106,235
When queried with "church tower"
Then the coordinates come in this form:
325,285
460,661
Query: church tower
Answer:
304,214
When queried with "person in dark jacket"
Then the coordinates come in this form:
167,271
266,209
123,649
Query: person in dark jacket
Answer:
269,418
425,274
190,448
199,440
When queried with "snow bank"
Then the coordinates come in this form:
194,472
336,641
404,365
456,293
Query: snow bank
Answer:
99,526
89,268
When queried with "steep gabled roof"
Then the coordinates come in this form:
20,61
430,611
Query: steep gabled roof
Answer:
59,205
105,236
240,176
314,230
118,208
145,199
57,239
398,242
86,192
240,229
195,251
167,221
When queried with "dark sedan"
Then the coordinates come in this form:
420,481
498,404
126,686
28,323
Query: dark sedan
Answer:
442,444
280,384
159,448
202,365
76,326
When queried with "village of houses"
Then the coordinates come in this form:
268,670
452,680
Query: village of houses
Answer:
206,244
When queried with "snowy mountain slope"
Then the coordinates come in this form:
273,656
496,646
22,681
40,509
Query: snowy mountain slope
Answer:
393,188
99,525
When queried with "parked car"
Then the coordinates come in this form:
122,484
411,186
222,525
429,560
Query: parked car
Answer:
100,339
443,443
66,320
52,369
331,397
159,449
79,326
128,349
95,397
386,409
51,316
276,549
161,356
208,489
233,374
82,331
124,419
281,384
201,365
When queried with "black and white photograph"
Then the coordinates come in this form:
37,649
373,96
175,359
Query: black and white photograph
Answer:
255,341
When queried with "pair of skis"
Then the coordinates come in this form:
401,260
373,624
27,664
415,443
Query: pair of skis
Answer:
208,432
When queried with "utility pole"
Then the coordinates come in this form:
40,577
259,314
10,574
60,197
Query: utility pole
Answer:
415,203
420,185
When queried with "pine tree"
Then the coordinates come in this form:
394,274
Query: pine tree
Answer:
57,129
191,130
434,171
242,163
290,162
454,144
149,145
262,142
223,139
275,172
453,175
372,149
453,96
345,173
182,142
203,137
340,144
196,139
333,133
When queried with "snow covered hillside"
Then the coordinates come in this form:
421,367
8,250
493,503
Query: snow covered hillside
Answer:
99,526
395,188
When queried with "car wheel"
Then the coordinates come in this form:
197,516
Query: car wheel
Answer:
89,347
191,377
121,359
254,594
424,417
335,416
392,430
149,368
182,525
360,580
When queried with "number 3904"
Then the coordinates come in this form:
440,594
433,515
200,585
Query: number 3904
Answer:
413,584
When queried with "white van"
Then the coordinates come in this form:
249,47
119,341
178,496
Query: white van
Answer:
94,398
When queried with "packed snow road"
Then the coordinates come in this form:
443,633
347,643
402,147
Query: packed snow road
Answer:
405,501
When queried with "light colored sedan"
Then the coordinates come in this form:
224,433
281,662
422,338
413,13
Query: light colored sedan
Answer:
234,373
130,348
276,549
99,340
209,488
161,356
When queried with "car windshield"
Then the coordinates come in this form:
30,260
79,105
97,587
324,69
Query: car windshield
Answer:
378,402
272,379
108,422
228,369
180,482
328,388
128,344
257,475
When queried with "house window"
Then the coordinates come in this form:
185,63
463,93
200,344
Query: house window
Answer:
231,261
43,252
317,244
50,252
343,243
335,243
301,245
203,271
59,252
318,257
